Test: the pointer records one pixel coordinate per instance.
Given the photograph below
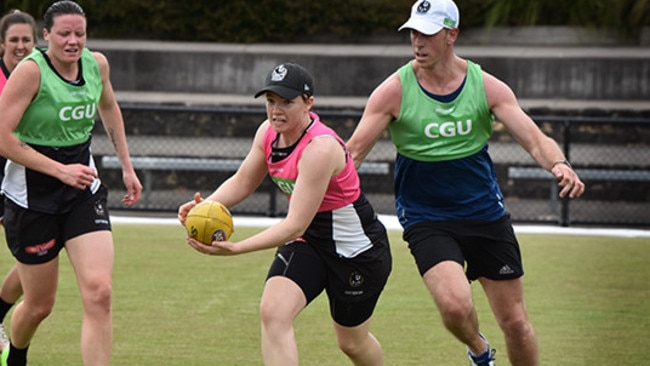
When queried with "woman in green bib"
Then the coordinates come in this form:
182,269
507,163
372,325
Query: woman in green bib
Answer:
54,198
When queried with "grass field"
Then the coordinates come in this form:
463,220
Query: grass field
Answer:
588,298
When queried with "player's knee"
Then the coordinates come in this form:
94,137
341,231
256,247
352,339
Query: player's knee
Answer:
39,310
351,349
272,317
98,296
267,312
356,345
516,326
455,312
351,344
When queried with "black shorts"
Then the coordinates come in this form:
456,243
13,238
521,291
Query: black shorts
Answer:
353,285
488,249
36,237
2,208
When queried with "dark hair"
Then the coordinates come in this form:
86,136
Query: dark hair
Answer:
61,8
15,17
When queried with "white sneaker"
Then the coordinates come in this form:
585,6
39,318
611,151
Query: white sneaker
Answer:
4,340
485,359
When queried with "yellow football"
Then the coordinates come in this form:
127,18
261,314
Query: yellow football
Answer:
209,221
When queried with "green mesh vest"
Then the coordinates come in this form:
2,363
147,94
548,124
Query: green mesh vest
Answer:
428,130
61,114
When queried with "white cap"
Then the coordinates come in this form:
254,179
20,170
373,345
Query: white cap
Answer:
430,16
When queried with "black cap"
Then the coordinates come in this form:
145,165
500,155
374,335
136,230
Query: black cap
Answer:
288,80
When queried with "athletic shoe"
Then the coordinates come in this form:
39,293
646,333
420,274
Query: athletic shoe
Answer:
484,359
3,358
4,340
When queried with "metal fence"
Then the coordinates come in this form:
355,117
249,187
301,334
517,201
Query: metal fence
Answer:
182,150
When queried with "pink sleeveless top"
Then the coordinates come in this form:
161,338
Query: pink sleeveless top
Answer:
3,81
343,188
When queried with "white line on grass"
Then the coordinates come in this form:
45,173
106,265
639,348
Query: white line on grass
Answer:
392,223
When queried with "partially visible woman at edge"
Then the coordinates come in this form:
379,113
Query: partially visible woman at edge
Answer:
53,196
17,40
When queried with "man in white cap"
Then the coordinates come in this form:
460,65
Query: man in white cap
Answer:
439,109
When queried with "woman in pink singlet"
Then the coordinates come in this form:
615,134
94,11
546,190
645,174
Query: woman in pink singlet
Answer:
18,39
330,239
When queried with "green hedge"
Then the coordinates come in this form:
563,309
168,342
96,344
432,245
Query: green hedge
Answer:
287,21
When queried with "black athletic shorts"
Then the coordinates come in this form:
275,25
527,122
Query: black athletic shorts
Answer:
36,237
487,248
353,285
3,162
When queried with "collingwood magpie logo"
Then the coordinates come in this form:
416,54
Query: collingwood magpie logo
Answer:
279,73
101,217
424,7
356,280
99,209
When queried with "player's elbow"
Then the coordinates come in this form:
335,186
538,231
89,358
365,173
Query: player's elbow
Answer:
357,163
298,231
294,227
355,153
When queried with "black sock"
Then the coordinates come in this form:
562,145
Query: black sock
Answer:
4,309
17,357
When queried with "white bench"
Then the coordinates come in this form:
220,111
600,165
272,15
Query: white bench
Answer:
147,164
584,174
